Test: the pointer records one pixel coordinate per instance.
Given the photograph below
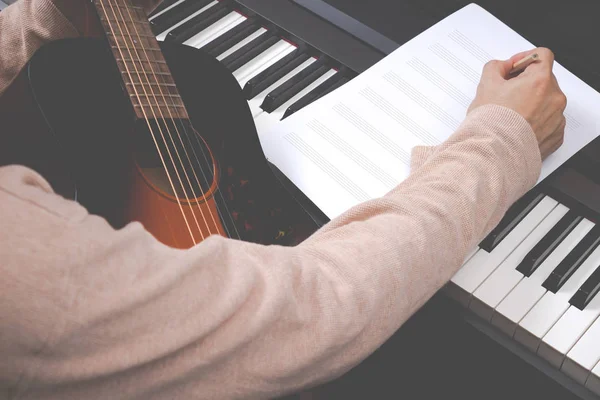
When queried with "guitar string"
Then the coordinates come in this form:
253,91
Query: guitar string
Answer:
218,190
170,135
133,61
184,129
175,123
146,118
193,134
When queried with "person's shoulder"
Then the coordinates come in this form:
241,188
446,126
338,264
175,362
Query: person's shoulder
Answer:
32,190
18,176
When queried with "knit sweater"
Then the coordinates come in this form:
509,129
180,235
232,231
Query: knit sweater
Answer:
90,312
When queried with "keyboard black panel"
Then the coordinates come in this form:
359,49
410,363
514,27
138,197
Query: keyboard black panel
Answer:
570,28
325,37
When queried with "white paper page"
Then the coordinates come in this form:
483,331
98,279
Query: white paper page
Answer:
354,144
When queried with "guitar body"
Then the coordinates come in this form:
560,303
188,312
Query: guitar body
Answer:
70,117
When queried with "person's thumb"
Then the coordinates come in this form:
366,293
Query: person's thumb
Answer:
497,70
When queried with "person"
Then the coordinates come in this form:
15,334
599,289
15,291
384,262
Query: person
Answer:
89,312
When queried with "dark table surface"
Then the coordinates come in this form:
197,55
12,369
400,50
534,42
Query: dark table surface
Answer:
437,355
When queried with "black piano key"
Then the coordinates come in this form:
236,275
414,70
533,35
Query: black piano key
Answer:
254,43
294,85
330,84
573,260
275,72
217,51
272,103
255,51
338,84
198,23
233,36
513,216
587,291
549,242
177,14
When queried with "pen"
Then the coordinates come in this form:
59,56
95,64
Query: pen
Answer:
523,63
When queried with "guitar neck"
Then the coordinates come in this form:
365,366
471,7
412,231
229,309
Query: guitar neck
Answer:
140,61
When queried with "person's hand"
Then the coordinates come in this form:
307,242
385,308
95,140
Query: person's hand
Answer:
534,94
81,13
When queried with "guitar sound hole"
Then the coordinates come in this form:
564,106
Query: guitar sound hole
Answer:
190,167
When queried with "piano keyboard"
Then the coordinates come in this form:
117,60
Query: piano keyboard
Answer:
535,277
279,75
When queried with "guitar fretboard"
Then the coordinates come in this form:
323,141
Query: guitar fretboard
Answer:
140,60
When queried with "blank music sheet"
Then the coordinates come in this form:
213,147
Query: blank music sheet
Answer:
355,143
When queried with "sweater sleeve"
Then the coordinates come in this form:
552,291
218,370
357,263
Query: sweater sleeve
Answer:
90,312
27,25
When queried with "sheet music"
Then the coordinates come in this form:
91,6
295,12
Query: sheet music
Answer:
355,143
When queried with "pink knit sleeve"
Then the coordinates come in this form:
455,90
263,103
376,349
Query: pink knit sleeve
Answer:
92,313
27,25
24,27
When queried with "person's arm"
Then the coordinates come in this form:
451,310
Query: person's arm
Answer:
28,24
24,27
90,312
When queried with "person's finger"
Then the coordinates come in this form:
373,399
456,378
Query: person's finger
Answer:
519,56
506,66
556,124
496,69
501,68
562,128
561,98
553,142
559,122
548,147
553,146
544,63
546,58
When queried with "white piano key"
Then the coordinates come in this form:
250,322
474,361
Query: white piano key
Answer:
567,331
168,8
451,289
164,34
241,44
287,50
500,282
551,307
584,355
277,114
262,61
530,290
482,264
259,98
215,30
266,120
593,381
471,254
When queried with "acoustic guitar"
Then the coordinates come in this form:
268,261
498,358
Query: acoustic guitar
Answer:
137,130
